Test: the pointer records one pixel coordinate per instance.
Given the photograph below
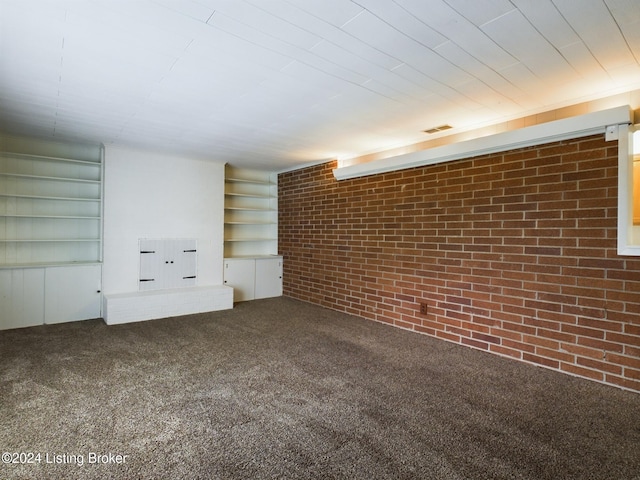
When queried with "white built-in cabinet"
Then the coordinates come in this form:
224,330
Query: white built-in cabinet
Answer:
72,293
251,264
50,232
240,274
253,278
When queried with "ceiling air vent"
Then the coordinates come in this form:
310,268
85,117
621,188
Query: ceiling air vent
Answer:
438,129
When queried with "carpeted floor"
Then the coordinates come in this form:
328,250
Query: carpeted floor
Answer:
278,388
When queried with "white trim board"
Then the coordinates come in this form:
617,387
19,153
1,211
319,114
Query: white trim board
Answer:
628,243
567,128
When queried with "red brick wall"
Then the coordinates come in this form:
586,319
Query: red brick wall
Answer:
512,253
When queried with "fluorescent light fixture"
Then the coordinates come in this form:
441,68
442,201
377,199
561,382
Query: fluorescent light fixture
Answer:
567,128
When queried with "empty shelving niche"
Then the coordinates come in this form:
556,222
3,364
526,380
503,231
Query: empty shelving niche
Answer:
50,208
251,213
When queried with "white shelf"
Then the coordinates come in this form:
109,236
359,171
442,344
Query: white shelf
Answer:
45,158
48,240
247,195
249,181
47,264
251,209
256,239
251,223
2,215
46,177
49,197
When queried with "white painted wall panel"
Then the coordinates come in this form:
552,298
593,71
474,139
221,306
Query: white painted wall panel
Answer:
153,195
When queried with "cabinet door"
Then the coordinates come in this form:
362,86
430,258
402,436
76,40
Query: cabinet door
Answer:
151,265
72,293
21,294
240,274
167,263
186,265
268,277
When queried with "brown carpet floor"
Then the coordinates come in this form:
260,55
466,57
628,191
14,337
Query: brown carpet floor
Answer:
279,388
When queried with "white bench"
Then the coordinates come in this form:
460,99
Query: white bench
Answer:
137,306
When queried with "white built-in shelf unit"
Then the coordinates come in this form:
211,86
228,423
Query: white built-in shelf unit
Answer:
51,207
251,213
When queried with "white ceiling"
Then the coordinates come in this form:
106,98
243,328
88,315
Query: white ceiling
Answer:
278,83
